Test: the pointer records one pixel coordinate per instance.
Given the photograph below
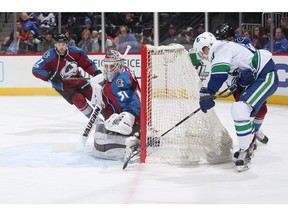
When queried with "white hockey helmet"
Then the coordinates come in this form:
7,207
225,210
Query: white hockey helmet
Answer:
206,39
113,63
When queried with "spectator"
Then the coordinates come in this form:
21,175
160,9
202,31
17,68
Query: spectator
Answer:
47,22
147,36
280,43
186,38
87,25
34,18
23,35
126,38
172,36
248,34
86,42
48,42
259,39
8,39
95,38
70,40
129,21
284,26
109,42
32,43
27,24
74,28
14,44
267,29
200,29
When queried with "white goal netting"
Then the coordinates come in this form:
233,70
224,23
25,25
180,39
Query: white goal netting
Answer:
171,93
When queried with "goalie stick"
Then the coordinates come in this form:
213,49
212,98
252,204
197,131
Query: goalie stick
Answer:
89,126
155,140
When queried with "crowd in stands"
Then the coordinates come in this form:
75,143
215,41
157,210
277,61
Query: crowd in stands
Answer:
261,37
35,33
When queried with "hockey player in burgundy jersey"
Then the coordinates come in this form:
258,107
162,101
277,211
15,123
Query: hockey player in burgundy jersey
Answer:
120,104
59,66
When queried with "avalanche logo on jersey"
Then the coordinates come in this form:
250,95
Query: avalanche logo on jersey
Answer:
119,83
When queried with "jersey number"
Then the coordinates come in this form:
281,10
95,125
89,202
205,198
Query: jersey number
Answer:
122,95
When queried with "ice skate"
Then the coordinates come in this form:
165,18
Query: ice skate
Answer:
261,137
243,160
252,148
243,157
132,147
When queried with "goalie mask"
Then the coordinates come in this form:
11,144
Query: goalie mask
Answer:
113,64
203,41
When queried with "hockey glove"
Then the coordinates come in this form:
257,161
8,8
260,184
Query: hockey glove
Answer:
97,72
206,99
55,78
245,78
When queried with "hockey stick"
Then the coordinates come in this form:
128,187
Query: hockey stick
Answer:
126,52
155,140
89,126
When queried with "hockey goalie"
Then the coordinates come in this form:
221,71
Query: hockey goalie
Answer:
118,96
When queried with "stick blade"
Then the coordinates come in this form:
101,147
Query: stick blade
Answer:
125,164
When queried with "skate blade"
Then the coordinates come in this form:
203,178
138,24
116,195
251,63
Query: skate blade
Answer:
242,168
263,141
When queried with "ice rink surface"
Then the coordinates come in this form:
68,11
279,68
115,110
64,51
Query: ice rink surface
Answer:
39,166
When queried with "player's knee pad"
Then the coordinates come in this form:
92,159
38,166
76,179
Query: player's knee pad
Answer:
121,123
241,111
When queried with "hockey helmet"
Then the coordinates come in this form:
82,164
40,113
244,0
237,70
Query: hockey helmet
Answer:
61,38
112,63
224,31
206,39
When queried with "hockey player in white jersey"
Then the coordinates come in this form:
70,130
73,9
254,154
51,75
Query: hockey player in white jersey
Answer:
252,71
226,31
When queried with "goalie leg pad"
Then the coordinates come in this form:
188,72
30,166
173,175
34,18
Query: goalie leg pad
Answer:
108,145
244,128
120,123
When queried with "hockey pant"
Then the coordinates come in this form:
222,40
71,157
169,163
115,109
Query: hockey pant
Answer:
250,102
78,98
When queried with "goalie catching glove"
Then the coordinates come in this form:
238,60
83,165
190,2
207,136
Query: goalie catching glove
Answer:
206,99
120,123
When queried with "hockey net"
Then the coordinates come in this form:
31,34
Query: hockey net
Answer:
170,92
